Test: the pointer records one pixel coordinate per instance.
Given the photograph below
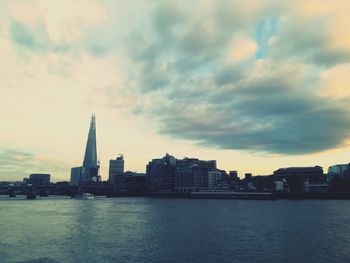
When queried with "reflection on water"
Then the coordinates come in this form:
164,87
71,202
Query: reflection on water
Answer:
173,230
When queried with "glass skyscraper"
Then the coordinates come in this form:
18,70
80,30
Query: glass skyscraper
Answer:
90,164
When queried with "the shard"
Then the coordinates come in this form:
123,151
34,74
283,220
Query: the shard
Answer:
90,163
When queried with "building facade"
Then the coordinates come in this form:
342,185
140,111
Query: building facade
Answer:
191,174
301,179
116,168
75,175
339,170
90,164
130,184
90,167
39,179
215,179
160,174
313,174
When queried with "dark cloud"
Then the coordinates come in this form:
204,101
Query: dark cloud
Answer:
228,75
180,68
179,45
307,40
277,122
268,105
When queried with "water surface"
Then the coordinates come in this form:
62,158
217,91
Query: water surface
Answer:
173,230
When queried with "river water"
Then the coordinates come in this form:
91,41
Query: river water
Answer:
173,230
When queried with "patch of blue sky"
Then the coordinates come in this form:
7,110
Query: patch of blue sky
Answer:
265,29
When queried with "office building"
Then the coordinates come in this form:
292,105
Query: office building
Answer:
233,175
90,167
39,179
191,174
130,183
160,174
75,175
116,168
339,170
215,179
90,164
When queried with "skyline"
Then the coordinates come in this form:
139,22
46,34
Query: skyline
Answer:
256,86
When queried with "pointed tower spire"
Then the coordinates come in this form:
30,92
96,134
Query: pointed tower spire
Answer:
90,165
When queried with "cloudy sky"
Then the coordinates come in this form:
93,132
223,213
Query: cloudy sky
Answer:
255,84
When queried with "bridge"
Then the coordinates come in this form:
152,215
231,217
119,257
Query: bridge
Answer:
53,189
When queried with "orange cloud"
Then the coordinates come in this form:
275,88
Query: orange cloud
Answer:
337,81
241,49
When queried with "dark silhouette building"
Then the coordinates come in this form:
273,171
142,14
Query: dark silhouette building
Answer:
313,174
233,180
39,179
169,174
339,177
339,170
75,175
160,174
301,179
116,168
130,183
191,174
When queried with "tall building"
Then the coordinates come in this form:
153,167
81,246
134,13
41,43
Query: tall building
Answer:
116,168
89,169
75,175
90,164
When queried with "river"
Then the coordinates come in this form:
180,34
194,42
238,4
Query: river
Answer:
173,230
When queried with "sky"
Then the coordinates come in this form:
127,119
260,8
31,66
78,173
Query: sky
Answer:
256,85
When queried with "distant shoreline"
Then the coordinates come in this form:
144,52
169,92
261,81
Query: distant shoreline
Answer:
211,195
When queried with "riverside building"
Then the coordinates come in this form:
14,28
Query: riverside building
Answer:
160,174
90,167
116,168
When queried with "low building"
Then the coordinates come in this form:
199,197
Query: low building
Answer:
130,184
246,184
339,170
316,187
130,173
298,179
39,179
263,183
313,174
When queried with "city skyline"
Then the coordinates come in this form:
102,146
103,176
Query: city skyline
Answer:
256,86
